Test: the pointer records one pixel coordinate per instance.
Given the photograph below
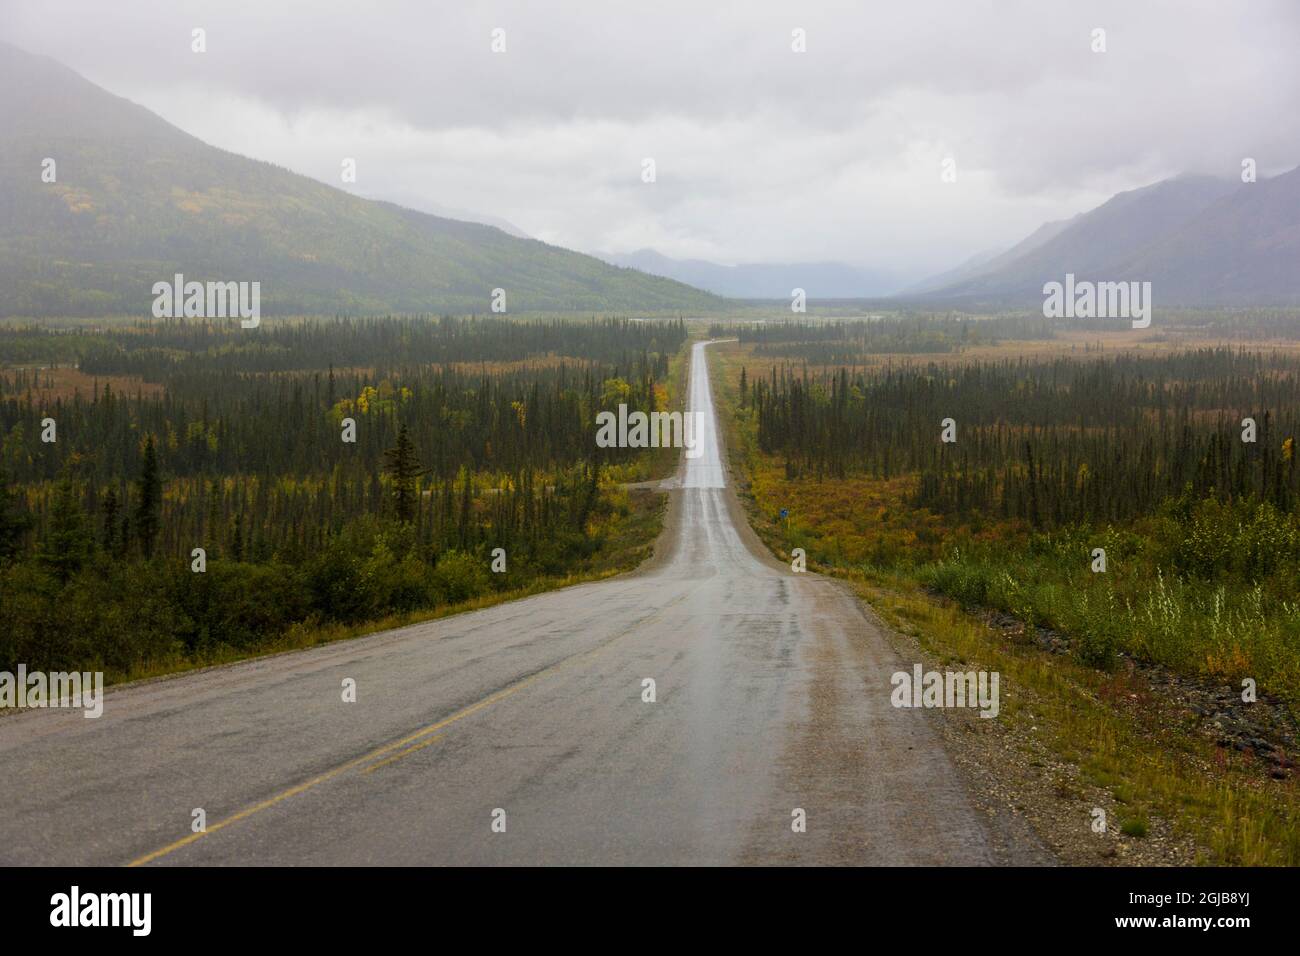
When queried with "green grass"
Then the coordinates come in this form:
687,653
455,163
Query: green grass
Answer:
1134,828
1223,630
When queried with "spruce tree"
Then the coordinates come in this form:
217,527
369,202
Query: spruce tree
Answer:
150,500
67,542
13,523
402,465
110,507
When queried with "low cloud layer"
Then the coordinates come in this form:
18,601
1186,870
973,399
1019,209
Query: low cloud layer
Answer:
761,153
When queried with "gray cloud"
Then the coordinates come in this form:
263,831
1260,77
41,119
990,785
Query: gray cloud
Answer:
761,153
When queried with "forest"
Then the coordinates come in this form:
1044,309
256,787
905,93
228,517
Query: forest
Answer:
858,341
851,341
1049,442
1178,462
328,472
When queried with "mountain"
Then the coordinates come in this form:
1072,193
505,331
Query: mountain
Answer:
821,280
1242,249
421,204
974,266
137,200
986,262
1097,245
1199,241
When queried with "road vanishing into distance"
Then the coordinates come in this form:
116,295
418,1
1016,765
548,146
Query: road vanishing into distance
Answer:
771,693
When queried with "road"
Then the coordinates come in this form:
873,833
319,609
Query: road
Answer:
771,694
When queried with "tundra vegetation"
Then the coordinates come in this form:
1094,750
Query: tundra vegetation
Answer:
1068,440
469,436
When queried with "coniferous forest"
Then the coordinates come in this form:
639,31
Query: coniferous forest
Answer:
331,472
1052,442
997,479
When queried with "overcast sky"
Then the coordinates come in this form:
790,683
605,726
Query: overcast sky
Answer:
761,153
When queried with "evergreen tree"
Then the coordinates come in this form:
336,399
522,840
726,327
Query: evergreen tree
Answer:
402,464
13,523
150,502
67,542
466,513
110,507
213,525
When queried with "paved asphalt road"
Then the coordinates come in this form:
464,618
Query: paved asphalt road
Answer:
772,694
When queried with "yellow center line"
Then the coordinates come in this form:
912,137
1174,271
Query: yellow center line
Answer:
402,753
387,749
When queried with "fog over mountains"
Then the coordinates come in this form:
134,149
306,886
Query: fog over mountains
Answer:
764,280
136,200
1200,241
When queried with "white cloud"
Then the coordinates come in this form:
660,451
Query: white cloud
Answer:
762,154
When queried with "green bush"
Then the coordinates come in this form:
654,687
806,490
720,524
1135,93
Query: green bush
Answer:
110,616
459,577
237,604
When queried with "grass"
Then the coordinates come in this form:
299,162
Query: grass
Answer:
1134,828
1210,629
1153,768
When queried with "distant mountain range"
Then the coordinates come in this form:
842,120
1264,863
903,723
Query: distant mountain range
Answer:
820,280
136,200
1200,241
986,262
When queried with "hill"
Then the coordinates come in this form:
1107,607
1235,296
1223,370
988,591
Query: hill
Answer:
137,200
1200,241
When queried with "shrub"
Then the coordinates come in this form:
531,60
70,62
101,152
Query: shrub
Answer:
459,576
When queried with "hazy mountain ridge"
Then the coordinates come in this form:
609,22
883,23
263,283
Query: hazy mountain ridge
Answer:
986,262
137,200
763,280
1199,240
1243,246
